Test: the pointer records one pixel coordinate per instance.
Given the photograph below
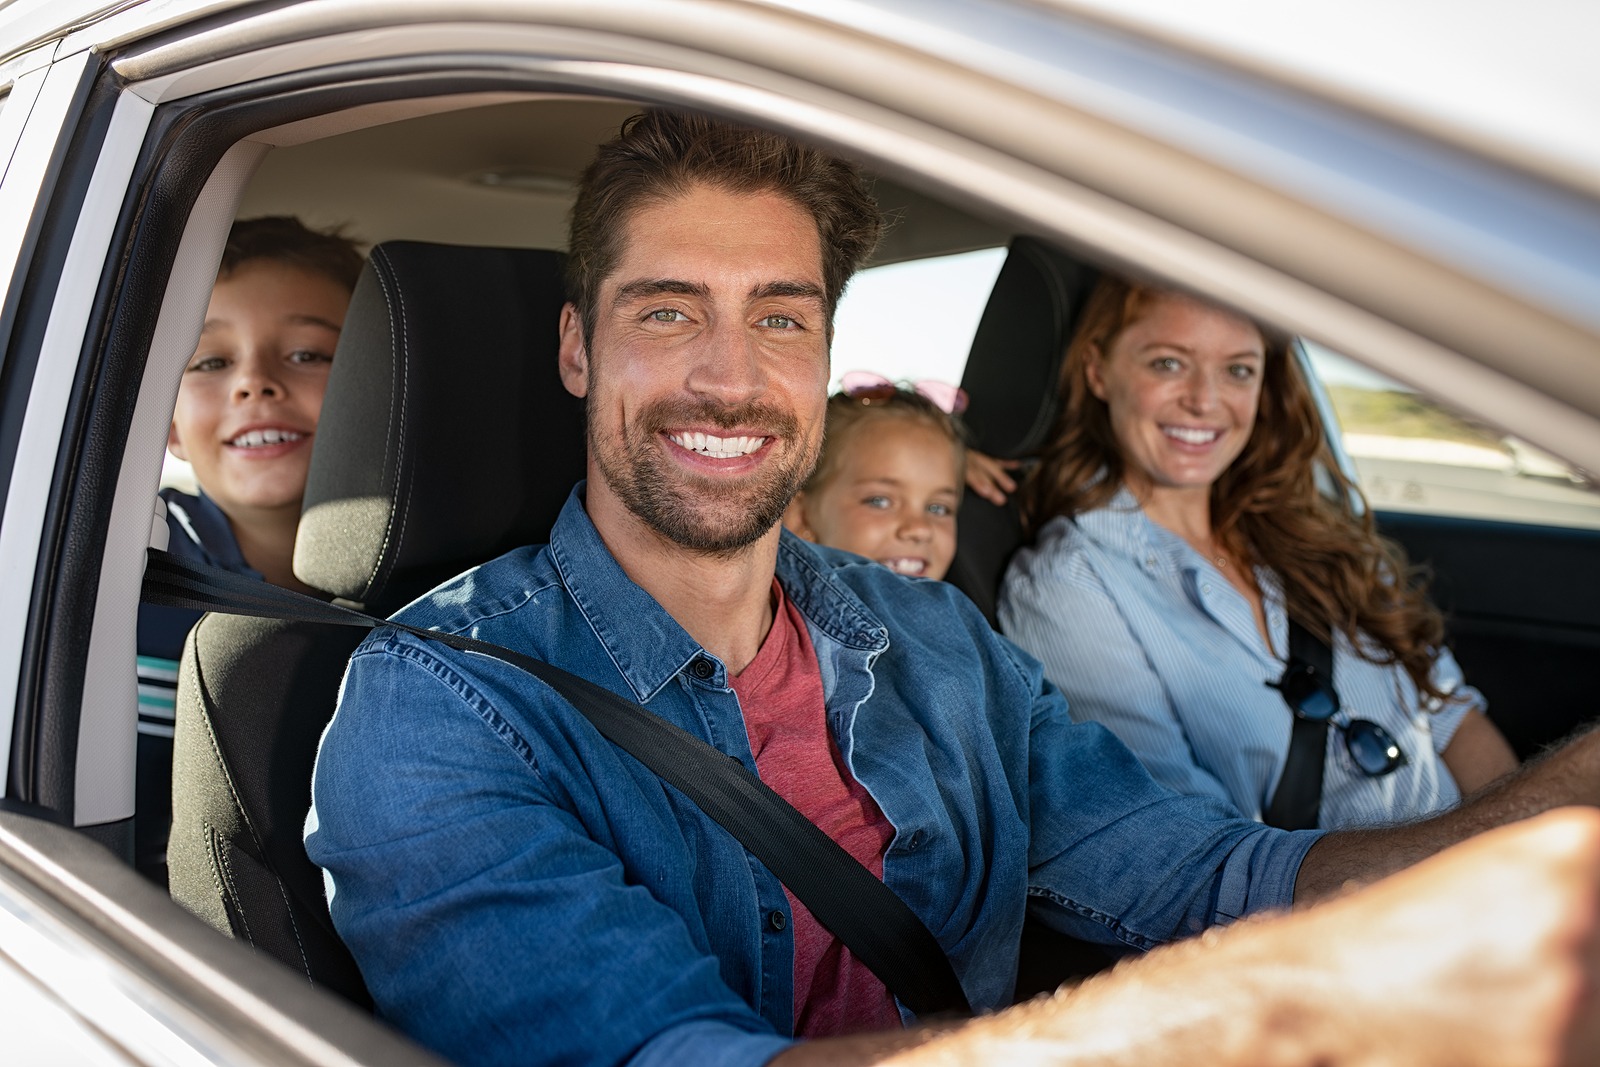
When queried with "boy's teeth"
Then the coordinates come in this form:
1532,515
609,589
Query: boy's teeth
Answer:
717,447
258,438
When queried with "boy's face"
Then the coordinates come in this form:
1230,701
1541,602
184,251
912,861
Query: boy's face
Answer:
248,405
892,498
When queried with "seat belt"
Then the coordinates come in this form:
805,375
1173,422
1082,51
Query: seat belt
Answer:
1297,802
846,898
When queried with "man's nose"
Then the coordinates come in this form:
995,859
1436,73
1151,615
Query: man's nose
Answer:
728,366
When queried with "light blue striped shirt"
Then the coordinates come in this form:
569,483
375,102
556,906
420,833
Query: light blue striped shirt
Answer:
1145,635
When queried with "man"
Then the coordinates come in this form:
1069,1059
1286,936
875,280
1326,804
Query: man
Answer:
516,889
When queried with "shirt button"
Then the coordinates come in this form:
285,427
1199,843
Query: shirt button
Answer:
777,921
702,669
1206,589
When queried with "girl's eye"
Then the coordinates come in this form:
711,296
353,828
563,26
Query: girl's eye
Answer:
306,355
881,503
207,363
941,511
667,315
778,322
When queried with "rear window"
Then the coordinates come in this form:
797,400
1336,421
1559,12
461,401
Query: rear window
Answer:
1411,454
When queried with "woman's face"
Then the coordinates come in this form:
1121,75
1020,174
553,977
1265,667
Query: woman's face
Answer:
1182,383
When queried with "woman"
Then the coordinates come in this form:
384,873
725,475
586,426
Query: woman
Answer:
1179,527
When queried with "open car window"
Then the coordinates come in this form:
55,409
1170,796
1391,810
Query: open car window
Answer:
1414,454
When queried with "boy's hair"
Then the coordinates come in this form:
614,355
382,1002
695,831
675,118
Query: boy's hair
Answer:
660,154
287,240
846,414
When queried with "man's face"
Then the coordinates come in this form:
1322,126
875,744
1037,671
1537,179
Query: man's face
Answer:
707,374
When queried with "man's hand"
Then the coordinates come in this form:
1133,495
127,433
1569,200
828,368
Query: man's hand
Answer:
1486,954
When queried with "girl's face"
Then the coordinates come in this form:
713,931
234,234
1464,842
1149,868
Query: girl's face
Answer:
892,497
248,405
1182,383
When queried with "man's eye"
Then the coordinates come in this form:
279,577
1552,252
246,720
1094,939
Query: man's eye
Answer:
667,315
779,322
306,355
207,363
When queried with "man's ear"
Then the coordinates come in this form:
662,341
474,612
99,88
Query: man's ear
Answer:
175,443
794,517
574,358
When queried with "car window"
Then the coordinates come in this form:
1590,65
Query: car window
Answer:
1412,454
914,320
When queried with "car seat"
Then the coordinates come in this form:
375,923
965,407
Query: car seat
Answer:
1011,384
446,438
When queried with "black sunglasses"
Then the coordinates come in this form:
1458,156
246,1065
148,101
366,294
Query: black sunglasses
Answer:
1312,697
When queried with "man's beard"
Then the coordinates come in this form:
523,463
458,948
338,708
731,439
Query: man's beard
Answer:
701,514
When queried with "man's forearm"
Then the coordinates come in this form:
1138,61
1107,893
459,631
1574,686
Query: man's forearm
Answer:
1569,775
1483,956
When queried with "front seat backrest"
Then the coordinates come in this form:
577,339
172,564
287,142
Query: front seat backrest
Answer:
1011,384
446,438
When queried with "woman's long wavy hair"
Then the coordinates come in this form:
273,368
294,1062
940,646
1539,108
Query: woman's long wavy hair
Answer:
1267,508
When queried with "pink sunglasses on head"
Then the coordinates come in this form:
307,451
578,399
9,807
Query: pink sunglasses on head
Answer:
865,385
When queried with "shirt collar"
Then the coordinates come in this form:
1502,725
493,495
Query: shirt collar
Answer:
647,645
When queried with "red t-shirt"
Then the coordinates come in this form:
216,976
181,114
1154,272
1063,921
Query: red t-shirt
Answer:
780,693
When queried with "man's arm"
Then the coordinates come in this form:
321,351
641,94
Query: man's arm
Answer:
1567,775
1484,955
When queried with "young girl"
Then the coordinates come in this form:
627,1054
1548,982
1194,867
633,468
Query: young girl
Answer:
888,483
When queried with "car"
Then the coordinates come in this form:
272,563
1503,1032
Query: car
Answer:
1443,233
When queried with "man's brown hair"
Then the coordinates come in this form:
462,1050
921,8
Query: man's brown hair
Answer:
660,154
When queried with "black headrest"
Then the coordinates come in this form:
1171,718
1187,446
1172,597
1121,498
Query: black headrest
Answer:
1011,383
446,436
1016,353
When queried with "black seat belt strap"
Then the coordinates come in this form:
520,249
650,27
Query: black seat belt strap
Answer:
846,898
1297,802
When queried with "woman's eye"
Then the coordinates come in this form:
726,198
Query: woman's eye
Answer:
667,315
207,363
1243,372
1166,364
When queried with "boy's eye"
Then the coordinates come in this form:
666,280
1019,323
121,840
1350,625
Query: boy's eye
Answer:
207,363
306,355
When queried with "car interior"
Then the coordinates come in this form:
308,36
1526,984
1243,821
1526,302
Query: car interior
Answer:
447,438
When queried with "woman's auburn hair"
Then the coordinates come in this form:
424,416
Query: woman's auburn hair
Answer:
1267,508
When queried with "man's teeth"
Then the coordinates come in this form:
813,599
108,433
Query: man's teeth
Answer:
258,438
717,447
904,565
1192,436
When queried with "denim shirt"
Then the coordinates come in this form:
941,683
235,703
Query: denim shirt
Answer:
516,889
